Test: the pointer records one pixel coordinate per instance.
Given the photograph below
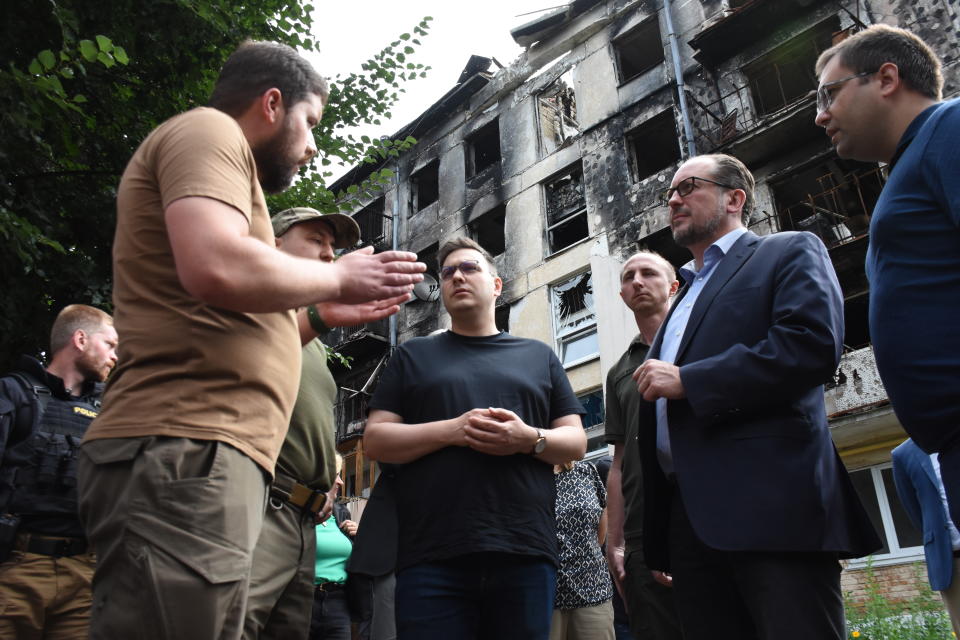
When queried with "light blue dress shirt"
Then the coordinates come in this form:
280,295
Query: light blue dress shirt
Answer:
677,324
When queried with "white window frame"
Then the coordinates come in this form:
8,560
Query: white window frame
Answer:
585,327
896,553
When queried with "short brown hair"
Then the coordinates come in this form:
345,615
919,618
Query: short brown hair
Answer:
256,67
735,174
668,269
462,242
868,50
76,317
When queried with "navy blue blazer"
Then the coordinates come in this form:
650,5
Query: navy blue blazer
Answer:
917,485
752,451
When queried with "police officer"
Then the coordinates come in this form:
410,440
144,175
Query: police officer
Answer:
46,567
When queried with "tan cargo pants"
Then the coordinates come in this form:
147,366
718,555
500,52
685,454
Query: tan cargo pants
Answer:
45,596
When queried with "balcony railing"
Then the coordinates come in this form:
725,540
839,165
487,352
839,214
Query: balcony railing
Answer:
840,211
747,106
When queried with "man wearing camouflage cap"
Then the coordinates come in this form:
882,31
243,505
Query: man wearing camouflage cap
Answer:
281,578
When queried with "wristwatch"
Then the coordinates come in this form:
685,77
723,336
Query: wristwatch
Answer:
540,445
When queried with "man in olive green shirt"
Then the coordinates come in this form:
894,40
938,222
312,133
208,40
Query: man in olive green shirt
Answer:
647,285
281,578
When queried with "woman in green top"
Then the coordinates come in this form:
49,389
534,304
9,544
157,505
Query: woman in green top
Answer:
331,617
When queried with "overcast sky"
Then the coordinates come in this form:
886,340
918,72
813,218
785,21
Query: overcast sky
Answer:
351,32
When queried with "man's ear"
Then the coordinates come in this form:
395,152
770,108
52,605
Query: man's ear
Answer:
736,199
270,105
79,340
674,288
890,80
497,286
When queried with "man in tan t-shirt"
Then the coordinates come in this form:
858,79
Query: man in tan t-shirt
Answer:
173,473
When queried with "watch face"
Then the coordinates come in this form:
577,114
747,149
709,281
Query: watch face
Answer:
540,446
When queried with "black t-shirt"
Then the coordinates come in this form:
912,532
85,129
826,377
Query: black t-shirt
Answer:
457,501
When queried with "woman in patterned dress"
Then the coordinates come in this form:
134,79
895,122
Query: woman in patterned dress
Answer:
582,609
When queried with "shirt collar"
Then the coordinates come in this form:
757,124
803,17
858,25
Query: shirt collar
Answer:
912,131
713,254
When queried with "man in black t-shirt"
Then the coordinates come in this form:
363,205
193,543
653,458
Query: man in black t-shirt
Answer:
477,419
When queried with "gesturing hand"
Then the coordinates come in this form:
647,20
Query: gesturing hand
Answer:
365,276
337,314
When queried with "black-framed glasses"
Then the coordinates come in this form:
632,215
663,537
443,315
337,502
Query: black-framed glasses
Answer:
466,268
686,186
827,92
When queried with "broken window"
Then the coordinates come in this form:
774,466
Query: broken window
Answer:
834,198
483,148
662,242
575,320
654,145
566,210
370,219
639,50
785,74
425,186
487,230
593,405
557,110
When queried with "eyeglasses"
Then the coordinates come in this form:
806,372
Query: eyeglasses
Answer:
686,186
466,268
827,92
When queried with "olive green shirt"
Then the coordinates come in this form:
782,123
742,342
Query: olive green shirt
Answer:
308,450
623,414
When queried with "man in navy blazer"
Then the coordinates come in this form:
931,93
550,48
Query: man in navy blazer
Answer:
747,504
922,494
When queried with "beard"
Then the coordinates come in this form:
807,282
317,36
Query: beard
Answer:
698,232
93,370
275,168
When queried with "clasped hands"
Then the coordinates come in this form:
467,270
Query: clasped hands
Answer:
498,432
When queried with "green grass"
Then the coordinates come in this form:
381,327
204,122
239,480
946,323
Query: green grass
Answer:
879,618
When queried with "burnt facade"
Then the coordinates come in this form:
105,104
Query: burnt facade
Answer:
555,164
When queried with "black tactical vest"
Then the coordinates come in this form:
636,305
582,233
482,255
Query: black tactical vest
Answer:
38,476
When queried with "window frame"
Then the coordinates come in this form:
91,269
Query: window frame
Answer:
589,327
896,553
570,216
637,32
544,102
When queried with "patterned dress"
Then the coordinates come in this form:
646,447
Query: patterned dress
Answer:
583,579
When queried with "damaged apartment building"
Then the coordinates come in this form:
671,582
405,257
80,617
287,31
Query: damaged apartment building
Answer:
555,163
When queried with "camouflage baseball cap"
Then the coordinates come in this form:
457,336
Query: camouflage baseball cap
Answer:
345,229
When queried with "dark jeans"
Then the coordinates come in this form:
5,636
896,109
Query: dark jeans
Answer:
476,597
331,616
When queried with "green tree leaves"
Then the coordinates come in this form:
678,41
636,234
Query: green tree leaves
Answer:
82,83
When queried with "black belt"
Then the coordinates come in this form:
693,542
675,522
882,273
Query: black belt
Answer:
50,545
330,587
287,489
